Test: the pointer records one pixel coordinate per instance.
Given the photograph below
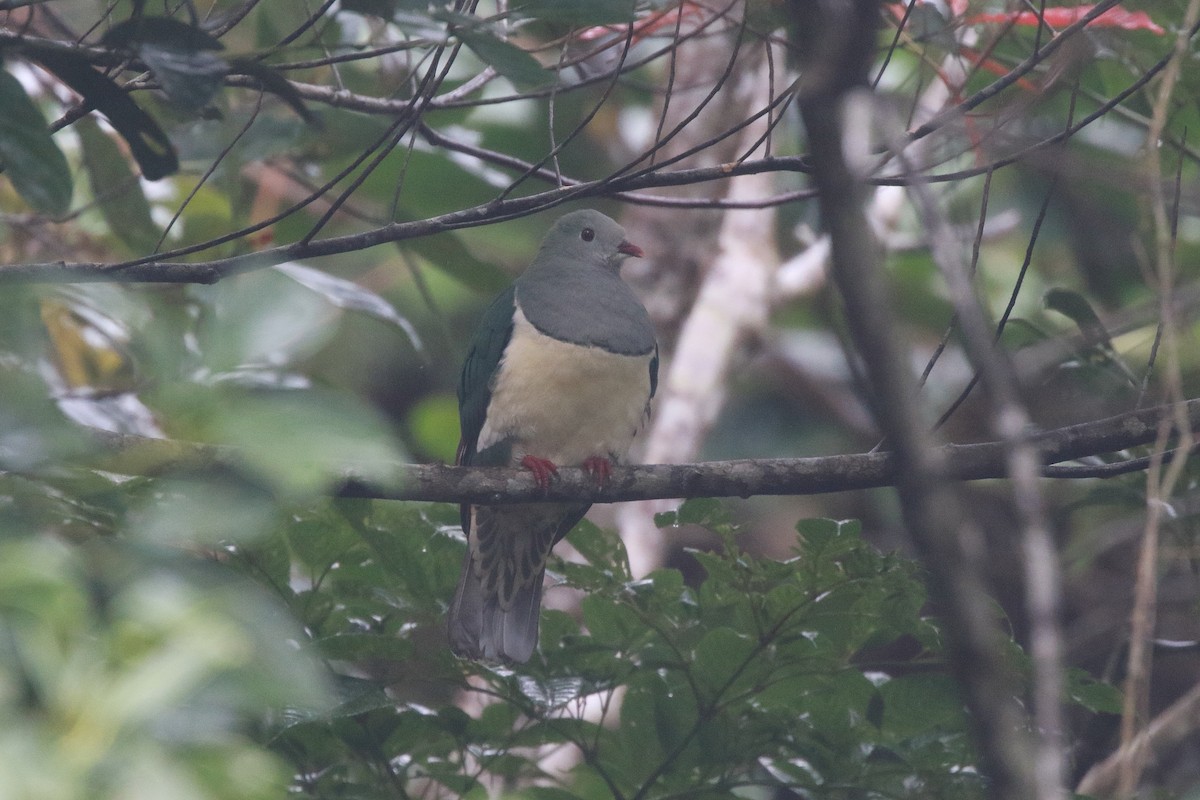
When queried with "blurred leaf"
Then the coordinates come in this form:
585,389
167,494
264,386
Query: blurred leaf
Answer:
28,155
608,621
375,8
304,442
359,646
577,13
273,81
434,425
90,352
181,512
164,31
601,547
150,146
447,252
509,60
1076,307
139,671
32,432
349,295
915,705
1096,696
706,511
263,320
117,190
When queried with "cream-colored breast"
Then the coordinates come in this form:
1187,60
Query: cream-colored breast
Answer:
565,402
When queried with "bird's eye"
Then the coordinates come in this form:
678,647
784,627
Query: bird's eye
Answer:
587,234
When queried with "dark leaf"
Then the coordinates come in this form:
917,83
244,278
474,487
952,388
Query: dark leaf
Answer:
577,13
447,252
30,158
150,146
162,31
1077,308
720,657
374,8
1094,695
509,60
918,704
272,81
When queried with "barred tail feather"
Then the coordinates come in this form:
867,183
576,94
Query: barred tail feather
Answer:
480,629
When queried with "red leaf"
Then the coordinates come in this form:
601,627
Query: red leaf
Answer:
1062,16
649,23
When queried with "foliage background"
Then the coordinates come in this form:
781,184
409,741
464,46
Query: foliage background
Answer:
233,632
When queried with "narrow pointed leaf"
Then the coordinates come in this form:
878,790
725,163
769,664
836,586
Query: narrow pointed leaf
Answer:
150,146
117,189
509,60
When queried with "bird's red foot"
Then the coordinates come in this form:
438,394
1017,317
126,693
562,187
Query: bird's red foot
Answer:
599,468
543,470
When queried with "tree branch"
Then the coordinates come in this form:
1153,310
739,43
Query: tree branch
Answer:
744,478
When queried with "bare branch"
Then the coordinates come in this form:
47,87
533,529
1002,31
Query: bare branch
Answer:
1151,744
744,478
836,41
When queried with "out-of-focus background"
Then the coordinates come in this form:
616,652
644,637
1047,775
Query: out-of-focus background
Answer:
174,626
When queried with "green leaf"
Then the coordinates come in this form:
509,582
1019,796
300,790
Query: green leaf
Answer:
577,13
30,158
180,512
1076,307
117,189
434,426
545,793
446,252
509,60
362,646
609,621
721,655
1094,695
303,442
601,548
263,321
914,705
708,512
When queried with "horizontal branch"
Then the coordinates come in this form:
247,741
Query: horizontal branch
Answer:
743,478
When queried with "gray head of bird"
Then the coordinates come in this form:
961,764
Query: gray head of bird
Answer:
587,237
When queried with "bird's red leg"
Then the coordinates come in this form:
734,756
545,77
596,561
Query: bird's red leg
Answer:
543,470
599,468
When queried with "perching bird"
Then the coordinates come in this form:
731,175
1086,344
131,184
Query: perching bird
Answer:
560,372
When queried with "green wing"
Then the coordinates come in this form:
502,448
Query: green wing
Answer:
653,374
483,359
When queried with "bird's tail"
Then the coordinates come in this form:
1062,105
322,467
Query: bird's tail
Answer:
481,629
